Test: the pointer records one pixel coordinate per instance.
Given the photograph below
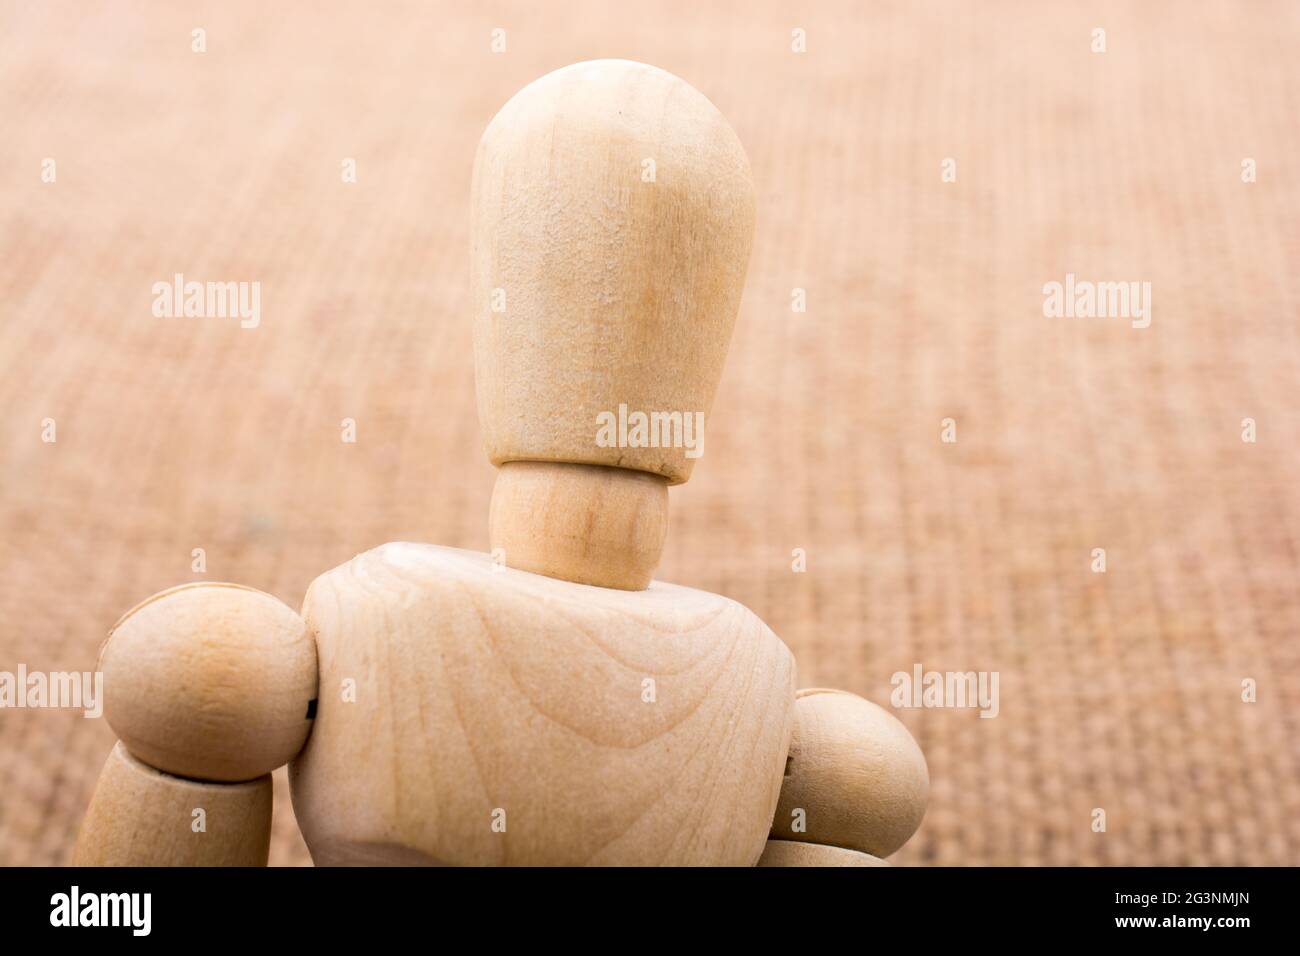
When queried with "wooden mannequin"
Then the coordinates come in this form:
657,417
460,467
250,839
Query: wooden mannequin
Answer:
210,687
549,703
855,784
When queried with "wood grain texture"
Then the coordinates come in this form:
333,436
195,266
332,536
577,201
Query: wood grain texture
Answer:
140,816
618,291
794,853
210,680
582,523
482,690
854,776
1119,690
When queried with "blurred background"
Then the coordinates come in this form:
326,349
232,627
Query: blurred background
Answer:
1119,690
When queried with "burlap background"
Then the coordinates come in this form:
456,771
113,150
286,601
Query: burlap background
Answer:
1120,691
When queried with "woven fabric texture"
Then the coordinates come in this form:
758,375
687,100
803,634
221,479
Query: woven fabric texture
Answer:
924,302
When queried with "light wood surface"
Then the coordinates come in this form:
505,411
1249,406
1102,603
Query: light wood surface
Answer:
140,816
614,290
855,778
583,523
212,681
481,690
794,853
1120,690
